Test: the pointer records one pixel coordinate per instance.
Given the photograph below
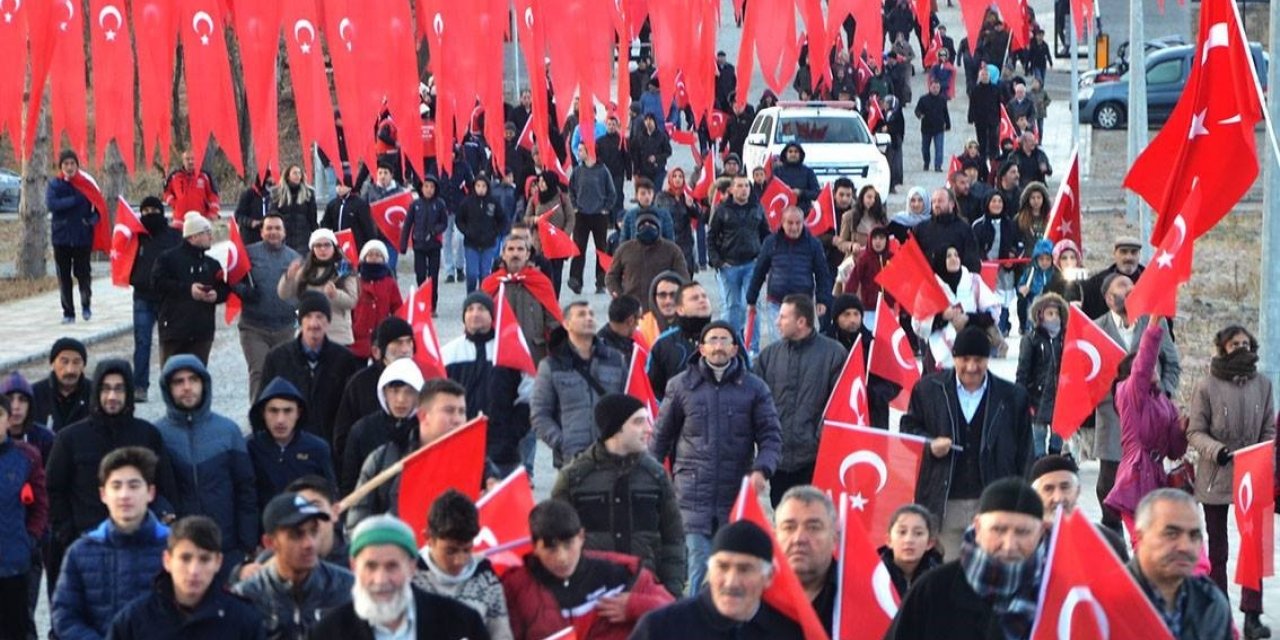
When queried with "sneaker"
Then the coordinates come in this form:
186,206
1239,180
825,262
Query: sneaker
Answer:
575,286
68,319
460,274
926,167
86,314
1253,627
140,396
600,289
449,279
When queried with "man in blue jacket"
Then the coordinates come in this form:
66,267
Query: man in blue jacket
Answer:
117,561
73,219
794,262
793,172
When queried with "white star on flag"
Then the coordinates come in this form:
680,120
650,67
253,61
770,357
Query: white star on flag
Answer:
858,502
111,35
305,47
1197,125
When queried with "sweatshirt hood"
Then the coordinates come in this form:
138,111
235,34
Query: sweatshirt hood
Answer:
665,276
404,371
191,363
15,383
109,366
782,155
277,388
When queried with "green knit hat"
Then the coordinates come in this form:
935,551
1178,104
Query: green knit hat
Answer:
383,529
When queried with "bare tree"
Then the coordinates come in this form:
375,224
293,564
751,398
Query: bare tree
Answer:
32,210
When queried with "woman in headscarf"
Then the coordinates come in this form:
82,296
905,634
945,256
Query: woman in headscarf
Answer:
549,200
972,303
917,211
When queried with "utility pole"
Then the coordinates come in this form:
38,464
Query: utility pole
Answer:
1075,77
1269,302
1135,210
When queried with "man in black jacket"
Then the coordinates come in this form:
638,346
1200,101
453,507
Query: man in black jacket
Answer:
984,113
935,121
610,152
192,286
946,229
160,237
979,430
349,211
678,345
737,231
393,340
63,397
1125,253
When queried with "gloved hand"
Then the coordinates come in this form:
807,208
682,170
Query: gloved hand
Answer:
1224,457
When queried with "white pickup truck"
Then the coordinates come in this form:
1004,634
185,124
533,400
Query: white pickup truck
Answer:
836,142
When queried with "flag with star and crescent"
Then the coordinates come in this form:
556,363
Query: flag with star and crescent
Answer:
876,471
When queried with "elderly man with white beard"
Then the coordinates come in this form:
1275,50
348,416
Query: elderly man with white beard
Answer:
385,604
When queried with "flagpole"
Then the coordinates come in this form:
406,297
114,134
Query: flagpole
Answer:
1257,85
1136,211
1075,77
1269,298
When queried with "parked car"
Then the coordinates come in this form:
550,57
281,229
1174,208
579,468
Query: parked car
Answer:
1117,69
835,138
10,190
1106,106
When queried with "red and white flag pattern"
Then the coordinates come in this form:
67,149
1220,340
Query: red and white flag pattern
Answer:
1065,218
1090,359
347,244
237,268
1254,502
511,350
454,461
776,198
848,401
426,342
891,355
638,385
822,213
1157,292
390,213
876,469
124,242
504,521
868,600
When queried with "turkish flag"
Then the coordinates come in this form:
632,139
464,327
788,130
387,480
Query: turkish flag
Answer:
13,50
868,600
1157,292
822,213
1093,599
896,363
777,196
211,106
68,96
974,12
1013,12
605,260
1082,14
935,44
310,82
88,187
1007,130
869,36
389,213
237,268
112,50
504,521
556,243
848,401
910,280
717,124
158,20
862,73
954,167
874,114
1209,139
875,468
347,243
454,461
686,137
124,243
345,30
1090,359
638,385
426,342
1254,501
706,177
43,20
1065,218
258,34
525,141
785,593
398,37
511,350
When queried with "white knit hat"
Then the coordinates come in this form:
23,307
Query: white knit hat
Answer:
372,246
195,224
322,234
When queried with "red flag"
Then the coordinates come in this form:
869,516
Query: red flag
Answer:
1093,599
397,33
785,593
504,521
1013,12
686,137
862,72
158,19
556,243
68,96
869,36
43,21
389,213
358,101
1082,14
891,355
1254,501
822,213
258,34
1213,121
875,468
1007,130
237,268
525,141
910,280
749,329
935,44
454,461
868,600
347,243
638,385
706,178
426,342
990,273
1157,292
973,12
717,124
13,50
605,260
511,350
1089,362
1065,218
88,187
211,106
848,401
309,80
124,243
776,198
874,114
954,167
112,51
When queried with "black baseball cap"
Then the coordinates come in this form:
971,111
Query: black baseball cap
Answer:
290,510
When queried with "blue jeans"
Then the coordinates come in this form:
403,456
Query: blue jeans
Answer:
937,141
479,263
767,321
144,324
1044,438
529,451
698,547
734,280
452,253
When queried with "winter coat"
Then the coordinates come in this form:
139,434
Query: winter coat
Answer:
21,525
943,605
736,233
1029,165
191,191
1227,415
1106,435
863,278
1094,304
102,572
933,113
468,360
341,304
593,189
321,385
697,617
793,266
289,611
436,618
672,352
53,410
72,217
611,153
628,505
509,394
536,611
351,212
932,559
1149,429
683,216
160,237
379,298
359,399
476,586
181,316
984,233
219,616
536,321
375,429
263,307
299,212
481,222
636,264
715,432
948,230
643,145
210,461
565,393
252,207
1006,434
1207,615
1040,358
799,176
666,226
984,105
563,215
276,465
427,220
801,374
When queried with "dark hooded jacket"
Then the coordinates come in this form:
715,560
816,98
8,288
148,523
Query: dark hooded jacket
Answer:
219,616
275,465
984,233
55,411
1041,356
481,220
33,433
160,237
428,218
798,176
72,466
948,230
321,385
374,429
351,212
181,316
673,351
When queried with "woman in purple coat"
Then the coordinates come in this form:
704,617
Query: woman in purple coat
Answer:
1150,428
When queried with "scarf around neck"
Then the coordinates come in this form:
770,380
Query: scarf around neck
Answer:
1237,367
1010,589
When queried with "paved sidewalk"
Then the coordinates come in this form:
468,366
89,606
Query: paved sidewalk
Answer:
32,324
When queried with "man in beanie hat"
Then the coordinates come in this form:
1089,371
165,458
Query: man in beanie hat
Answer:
266,319
63,397
393,340
560,582
316,365
72,221
731,606
468,359
385,604
1057,480
719,424
990,591
848,323
159,237
626,497
192,285
979,430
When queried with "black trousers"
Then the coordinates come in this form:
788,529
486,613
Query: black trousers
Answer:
426,264
597,226
783,480
73,261
988,139
197,348
1106,479
14,619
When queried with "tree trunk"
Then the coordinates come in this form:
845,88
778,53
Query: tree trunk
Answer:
115,179
32,210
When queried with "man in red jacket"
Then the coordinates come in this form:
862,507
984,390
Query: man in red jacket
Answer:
601,594
190,189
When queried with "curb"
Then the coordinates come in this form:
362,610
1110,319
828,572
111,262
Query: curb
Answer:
108,333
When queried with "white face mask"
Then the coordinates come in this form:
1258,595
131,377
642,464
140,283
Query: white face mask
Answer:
1052,326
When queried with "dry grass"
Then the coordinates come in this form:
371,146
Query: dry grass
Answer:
16,288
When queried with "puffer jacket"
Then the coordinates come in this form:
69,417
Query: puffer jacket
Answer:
289,611
210,461
801,374
793,266
628,505
1230,415
1040,358
275,465
21,525
428,218
798,176
735,233
565,392
932,559
72,217
102,572
716,433
219,616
